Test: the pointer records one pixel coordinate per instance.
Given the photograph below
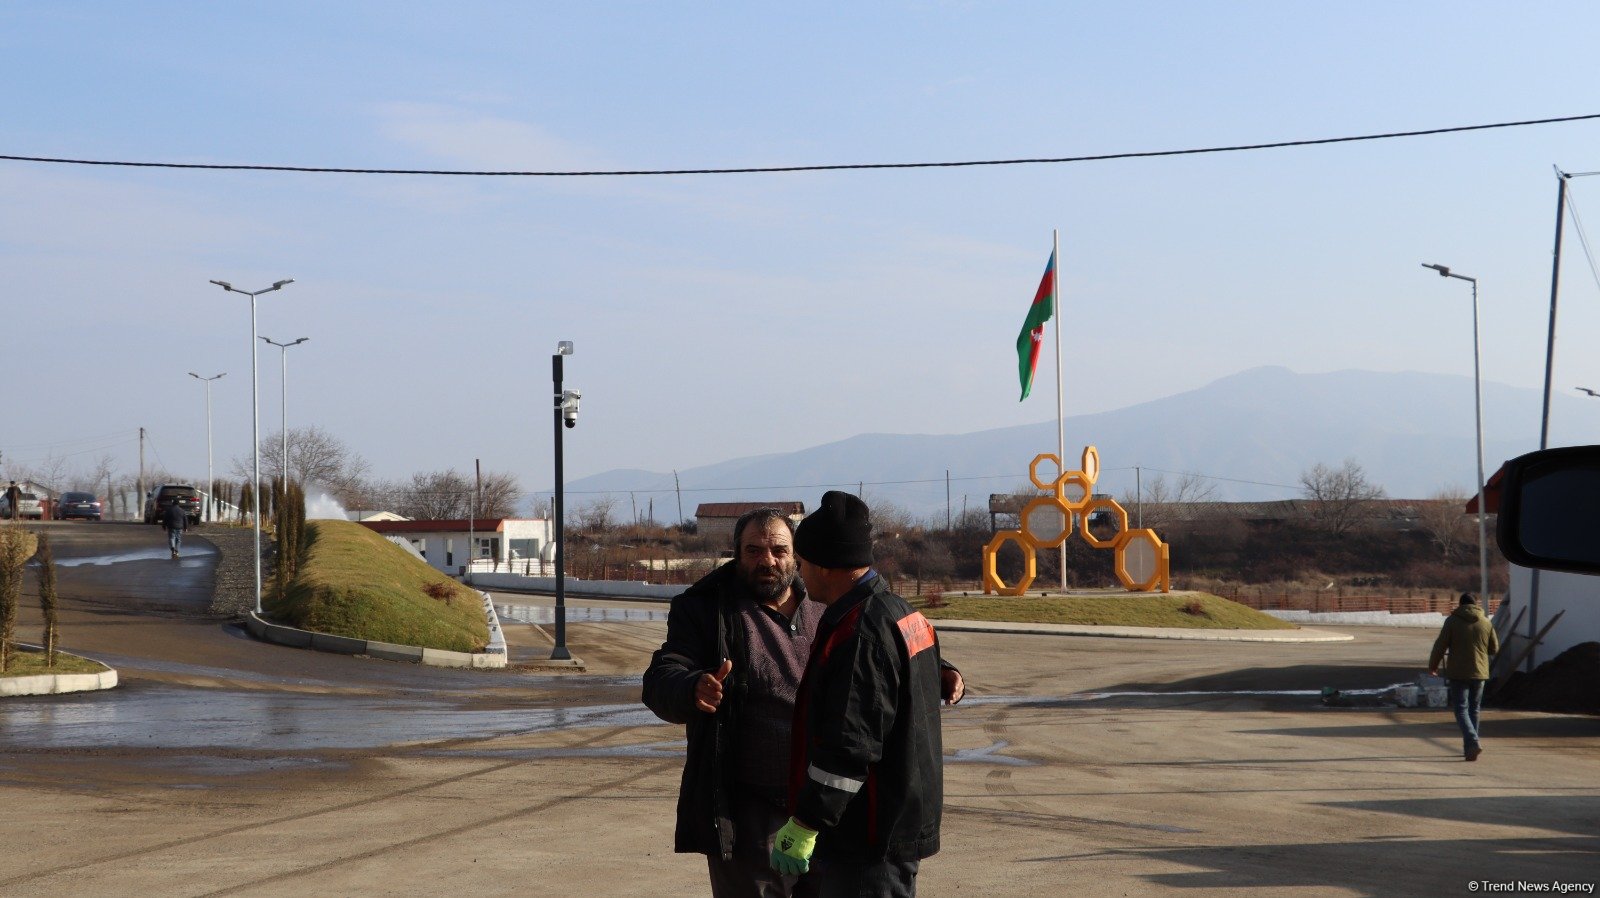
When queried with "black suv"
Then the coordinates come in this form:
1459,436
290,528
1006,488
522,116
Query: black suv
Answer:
187,497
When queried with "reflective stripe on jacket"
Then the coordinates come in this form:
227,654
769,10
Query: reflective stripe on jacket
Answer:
867,762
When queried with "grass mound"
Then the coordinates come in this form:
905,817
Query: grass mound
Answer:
355,583
1201,611
30,663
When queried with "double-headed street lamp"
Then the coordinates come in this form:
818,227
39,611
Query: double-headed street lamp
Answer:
283,400
1477,389
566,414
255,417
211,481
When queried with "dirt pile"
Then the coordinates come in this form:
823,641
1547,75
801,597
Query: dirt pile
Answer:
1568,684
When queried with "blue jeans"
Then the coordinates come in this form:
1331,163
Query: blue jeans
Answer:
1466,697
175,538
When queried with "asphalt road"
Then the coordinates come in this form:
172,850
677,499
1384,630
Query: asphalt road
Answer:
223,766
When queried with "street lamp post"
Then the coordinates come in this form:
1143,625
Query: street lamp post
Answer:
1477,390
566,414
211,481
283,401
255,417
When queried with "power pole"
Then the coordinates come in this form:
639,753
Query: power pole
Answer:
946,500
678,488
140,498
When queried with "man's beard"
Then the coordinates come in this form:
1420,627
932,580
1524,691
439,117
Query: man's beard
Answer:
766,590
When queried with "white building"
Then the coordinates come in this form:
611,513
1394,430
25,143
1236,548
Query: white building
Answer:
518,545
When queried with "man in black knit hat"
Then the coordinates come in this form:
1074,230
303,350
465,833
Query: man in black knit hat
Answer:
866,769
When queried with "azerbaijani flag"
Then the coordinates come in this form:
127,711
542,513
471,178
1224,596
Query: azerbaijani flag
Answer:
1044,306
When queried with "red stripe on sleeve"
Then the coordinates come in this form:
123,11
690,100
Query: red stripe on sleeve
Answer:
917,631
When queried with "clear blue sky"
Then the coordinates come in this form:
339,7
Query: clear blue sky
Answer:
722,316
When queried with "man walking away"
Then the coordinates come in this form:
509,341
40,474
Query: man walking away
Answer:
1469,639
173,520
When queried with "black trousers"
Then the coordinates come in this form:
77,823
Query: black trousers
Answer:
878,879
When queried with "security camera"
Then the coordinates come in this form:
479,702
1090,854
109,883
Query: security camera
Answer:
569,407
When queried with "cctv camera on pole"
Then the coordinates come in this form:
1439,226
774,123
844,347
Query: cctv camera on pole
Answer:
566,413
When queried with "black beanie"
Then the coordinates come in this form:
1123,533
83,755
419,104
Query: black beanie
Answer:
837,535
1468,598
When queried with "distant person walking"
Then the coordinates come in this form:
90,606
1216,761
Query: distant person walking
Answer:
13,499
1469,639
173,520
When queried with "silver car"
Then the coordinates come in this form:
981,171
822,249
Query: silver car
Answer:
27,507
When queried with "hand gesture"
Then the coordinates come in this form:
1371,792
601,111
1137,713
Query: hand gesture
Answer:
951,687
708,692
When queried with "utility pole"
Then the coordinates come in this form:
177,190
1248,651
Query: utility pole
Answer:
678,488
946,500
140,498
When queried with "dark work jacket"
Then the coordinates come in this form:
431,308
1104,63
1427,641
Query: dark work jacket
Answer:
703,629
867,763
173,517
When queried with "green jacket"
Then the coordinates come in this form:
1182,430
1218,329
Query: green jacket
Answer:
1470,639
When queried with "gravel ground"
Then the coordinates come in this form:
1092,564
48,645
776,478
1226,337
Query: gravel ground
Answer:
234,593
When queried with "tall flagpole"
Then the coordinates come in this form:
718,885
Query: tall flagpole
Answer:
1061,427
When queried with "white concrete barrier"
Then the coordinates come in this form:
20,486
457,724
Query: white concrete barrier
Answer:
629,589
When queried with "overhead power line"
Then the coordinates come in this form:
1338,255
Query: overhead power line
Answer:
769,169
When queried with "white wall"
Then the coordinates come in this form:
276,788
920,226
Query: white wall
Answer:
1578,595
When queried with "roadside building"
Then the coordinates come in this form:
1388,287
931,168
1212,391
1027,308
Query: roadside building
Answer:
362,517
519,545
715,520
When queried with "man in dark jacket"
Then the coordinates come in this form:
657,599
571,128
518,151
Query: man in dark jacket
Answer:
866,770
1469,639
173,520
737,643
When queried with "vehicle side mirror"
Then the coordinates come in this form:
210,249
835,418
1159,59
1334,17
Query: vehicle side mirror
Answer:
1550,510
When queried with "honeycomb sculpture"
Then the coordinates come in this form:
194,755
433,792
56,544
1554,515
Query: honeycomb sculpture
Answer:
1141,558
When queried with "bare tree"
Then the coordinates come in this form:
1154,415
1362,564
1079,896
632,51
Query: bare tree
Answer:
597,515
435,495
97,477
1443,516
500,494
1187,497
1339,500
315,457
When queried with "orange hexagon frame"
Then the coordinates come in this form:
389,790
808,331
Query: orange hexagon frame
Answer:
1039,542
1117,511
991,555
1077,479
1033,470
1140,541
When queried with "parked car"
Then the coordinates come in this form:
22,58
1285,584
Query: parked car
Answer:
27,507
166,494
78,505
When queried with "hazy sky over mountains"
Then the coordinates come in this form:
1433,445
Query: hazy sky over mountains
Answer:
723,316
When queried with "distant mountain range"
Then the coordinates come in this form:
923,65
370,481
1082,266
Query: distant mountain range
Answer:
1251,434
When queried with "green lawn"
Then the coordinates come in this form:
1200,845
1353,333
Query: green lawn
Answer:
29,663
1116,610
355,583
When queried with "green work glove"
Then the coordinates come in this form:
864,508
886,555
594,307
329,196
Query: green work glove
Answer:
791,848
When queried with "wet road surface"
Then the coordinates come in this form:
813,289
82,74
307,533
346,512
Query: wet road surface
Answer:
224,766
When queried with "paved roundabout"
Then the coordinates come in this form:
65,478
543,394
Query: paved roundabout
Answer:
1078,765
